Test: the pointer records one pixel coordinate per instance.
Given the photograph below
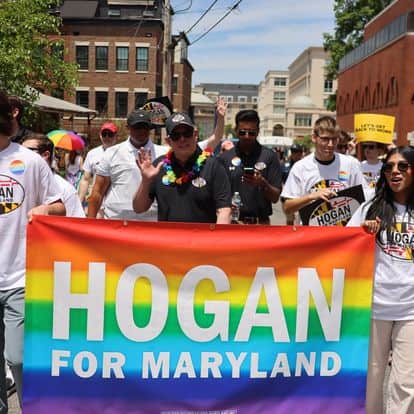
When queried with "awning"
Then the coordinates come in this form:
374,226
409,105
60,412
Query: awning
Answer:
50,104
275,141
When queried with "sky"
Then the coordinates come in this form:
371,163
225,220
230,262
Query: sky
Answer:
258,36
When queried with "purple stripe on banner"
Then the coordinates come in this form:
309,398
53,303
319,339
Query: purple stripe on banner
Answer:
270,406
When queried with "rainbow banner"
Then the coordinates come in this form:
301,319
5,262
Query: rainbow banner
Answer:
128,317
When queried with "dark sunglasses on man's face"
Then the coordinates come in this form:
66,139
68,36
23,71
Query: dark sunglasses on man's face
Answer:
369,146
402,166
107,134
247,132
176,135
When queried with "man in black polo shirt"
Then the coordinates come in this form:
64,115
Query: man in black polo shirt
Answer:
254,171
189,184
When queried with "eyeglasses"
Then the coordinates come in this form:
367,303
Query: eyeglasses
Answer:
402,166
107,134
176,135
247,132
34,149
325,140
369,146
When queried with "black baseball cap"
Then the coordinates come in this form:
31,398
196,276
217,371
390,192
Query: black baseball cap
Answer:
176,119
139,117
296,148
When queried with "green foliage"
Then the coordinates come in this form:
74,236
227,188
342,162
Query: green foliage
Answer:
306,142
31,54
351,16
228,130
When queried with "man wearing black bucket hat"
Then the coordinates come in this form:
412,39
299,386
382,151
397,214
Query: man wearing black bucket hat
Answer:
117,175
188,184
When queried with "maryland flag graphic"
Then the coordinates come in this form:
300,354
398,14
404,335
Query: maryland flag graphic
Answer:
11,194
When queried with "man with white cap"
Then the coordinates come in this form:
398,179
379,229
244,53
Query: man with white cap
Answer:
188,184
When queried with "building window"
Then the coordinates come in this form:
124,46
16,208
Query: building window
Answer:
242,99
303,120
101,58
122,58
101,102
326,103
140,99
254,99
328,85
82,57
142,59
280,82
82,98
279,96
228,99
278,109
58,50
121,104
174,84
58,93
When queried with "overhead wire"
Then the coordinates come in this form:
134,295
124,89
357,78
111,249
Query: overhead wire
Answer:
232,8
201,17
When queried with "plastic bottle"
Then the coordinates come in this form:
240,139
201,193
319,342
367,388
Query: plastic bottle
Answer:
235,207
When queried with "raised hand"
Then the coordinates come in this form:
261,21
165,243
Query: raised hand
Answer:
221,107
144,162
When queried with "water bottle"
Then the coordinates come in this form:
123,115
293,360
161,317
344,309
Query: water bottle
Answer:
235,207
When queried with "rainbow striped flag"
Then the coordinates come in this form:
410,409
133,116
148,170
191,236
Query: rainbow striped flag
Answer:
163,318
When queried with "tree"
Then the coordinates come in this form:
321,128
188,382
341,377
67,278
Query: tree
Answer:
31,52
351,16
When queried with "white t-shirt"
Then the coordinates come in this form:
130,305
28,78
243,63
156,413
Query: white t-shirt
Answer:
92,159
393,296
308,175
371,174
26,181
70,197
119,163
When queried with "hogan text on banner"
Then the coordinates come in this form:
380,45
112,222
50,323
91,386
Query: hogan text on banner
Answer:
127,317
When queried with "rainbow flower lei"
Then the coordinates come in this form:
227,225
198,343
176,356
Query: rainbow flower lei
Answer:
170,177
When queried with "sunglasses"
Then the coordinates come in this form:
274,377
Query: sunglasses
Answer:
402,166
107,134
369,146
247,132
33,149
175,136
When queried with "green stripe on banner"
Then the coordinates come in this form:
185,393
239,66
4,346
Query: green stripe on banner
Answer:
355,321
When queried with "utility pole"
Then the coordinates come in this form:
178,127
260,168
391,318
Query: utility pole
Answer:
166,70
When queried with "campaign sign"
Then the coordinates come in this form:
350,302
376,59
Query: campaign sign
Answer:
151,318
374,127
335,212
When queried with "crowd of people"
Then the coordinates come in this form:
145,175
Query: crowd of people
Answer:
188,180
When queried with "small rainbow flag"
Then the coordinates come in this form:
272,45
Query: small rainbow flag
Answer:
128,317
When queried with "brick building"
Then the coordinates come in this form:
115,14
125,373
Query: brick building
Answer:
125,55
182,76
376,77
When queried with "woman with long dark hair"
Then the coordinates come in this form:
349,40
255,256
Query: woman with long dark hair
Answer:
390,215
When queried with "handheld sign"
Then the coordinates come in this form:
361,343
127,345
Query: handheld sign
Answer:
159,108
374,127
335,212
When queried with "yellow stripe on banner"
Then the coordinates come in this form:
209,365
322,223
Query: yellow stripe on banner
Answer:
40,288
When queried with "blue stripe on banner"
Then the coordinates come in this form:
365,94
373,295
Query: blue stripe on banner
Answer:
38,385
38,351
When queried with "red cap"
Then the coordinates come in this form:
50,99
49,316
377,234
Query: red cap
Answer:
109,126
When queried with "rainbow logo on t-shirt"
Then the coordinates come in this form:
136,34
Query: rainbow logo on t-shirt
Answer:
343,176
17,167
